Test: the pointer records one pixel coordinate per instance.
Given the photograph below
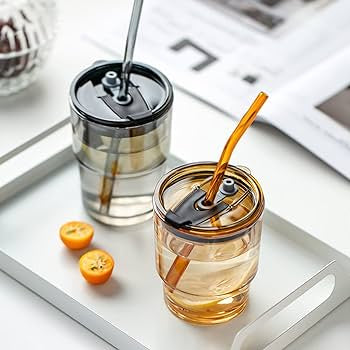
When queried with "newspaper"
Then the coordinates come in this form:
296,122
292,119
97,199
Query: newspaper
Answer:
314,109
225,51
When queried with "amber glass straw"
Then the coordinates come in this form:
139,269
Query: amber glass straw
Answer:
181,262
241,128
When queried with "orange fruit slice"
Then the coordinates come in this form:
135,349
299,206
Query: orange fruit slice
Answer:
96,266
76,234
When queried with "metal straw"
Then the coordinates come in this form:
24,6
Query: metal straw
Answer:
129,50
111,165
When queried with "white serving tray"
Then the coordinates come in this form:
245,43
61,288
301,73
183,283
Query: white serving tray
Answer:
129,311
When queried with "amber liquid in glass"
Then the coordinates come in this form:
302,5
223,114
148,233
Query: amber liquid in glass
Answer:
213,287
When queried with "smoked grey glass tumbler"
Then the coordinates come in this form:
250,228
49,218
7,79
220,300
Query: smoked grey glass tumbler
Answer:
121,145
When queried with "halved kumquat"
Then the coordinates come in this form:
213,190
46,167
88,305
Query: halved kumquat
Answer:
96,266
76,234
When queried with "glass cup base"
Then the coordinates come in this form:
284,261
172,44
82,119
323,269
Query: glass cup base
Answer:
217,310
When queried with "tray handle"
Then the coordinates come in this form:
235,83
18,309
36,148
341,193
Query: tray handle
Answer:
340,292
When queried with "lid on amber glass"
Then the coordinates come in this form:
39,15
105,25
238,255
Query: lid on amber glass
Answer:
178,201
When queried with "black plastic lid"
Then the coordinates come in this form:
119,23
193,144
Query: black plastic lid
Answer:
94,94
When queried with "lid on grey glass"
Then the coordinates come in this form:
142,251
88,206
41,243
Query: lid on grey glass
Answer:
94,94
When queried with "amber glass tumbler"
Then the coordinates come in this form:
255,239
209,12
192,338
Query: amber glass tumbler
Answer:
207,268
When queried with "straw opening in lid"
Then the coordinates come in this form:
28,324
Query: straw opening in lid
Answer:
186,179
87,90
